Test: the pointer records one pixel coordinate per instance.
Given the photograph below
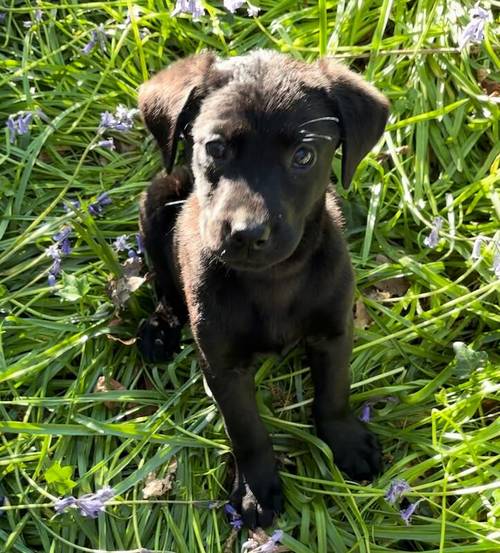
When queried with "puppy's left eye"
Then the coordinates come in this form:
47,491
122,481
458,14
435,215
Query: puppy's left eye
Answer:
303,157
216,149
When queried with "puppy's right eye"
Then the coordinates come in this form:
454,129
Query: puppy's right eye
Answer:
216,149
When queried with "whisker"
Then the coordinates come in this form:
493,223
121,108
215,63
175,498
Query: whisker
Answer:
178,202
334,119
311,135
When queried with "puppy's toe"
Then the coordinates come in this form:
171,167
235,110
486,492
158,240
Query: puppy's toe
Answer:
157,339
255,513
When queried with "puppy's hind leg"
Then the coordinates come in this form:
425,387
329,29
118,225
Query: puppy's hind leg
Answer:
159,335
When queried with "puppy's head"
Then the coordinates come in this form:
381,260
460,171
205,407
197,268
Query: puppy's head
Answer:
260,131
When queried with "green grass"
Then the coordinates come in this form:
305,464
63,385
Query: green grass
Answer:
439,157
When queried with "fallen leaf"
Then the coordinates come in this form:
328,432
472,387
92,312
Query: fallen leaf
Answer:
396,286
492,88
129,342
362,318
156,487
106,385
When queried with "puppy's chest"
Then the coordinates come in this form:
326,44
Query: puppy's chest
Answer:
278,313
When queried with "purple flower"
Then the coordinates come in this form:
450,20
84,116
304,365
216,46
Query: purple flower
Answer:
121,243
18,125
98,36
104,199
38,15
62,234
432,240
194,7
476,248
122,120
62,240
53,252
90,505
96,208
365,412
62,504
474,31
3,15
236,522
108,143
408,512
66,246
396,489
52,279
89,46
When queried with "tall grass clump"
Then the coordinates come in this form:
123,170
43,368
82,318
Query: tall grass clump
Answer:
79,409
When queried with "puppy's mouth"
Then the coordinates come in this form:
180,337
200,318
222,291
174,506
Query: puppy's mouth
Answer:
259,261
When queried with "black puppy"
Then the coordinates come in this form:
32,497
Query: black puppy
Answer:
254,258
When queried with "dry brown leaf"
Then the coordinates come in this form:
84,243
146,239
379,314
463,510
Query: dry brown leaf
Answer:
156,487
492,88
395,287
107,385
129,342
362,318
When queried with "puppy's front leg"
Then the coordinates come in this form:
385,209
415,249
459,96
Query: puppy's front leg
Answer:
355,448
257,490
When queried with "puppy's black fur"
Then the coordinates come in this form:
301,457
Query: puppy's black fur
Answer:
254,258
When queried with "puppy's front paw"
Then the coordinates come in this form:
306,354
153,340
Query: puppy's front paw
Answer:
258,502
356,450
158,338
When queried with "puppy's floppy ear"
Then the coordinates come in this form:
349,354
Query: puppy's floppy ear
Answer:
170,101
363,113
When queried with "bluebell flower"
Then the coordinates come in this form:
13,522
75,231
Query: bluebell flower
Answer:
432,240
121,243
365,415
62,234
3,15
96,208
408,512
18,125
194,7
122,120
108,143
235,518
98,36
38,15
396,489
474,31
90,505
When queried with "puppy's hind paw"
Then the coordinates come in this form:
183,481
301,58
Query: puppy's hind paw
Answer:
158,339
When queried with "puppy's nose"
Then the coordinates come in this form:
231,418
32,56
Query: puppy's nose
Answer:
253,236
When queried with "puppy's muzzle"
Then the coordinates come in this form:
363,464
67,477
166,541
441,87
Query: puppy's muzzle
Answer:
243,238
